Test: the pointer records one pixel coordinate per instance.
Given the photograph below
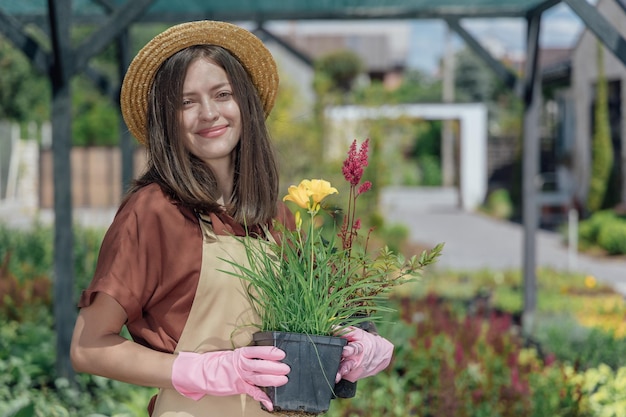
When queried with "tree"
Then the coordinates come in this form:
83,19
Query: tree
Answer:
24,93
474,80
95,120
416,87
601,146
25,97
297,136
342,67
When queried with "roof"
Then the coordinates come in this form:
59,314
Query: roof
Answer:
556,66
373,50
167,10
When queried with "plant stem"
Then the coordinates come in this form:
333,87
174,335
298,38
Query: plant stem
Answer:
312,252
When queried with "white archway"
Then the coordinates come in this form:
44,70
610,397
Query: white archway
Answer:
472,119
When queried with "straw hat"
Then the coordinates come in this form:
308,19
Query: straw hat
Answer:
249,49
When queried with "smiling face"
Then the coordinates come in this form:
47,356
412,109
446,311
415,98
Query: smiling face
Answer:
203,165
210,118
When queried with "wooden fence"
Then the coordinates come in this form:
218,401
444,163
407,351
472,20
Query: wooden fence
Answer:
96,176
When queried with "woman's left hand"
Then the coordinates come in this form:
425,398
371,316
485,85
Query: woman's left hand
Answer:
365,355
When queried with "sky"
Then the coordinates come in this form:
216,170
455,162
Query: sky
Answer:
421,43
560,28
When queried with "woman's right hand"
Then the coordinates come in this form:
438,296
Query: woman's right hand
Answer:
239,371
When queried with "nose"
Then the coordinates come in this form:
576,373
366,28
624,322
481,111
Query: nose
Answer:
209,110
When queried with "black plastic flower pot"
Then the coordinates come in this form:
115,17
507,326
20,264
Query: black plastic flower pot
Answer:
345,388
314,361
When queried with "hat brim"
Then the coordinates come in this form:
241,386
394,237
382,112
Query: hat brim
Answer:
247,48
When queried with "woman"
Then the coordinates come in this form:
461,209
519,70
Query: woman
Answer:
197,96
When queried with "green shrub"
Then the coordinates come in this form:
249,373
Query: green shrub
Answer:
581,347
554,388
28,255
604,229
613,238
87,243
29,386
603,391
430,170
589,229
499,204
29,252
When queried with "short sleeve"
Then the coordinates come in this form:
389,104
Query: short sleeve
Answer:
135,264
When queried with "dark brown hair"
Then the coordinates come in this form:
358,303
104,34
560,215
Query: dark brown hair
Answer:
186,178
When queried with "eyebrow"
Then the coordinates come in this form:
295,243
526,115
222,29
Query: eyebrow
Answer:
215,87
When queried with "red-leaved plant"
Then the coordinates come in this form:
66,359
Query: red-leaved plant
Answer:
353,168
386,269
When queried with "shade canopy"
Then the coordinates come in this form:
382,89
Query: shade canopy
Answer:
261,10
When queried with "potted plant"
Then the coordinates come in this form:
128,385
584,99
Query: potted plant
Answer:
312,283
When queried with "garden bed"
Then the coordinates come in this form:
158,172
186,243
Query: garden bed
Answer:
459,350
449,361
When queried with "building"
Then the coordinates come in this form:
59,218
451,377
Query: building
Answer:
569,84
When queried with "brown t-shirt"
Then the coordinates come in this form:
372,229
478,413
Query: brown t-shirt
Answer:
150,263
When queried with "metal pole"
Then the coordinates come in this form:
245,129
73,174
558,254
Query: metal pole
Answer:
530,166
127,144
61,72
447,133
572,239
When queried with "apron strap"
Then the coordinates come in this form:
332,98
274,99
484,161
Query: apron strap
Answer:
206,225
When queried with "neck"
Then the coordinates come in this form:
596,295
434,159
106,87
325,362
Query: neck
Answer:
224,174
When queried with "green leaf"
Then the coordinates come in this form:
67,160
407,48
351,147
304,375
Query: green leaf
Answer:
21,410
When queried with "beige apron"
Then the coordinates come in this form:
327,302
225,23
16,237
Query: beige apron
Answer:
220,317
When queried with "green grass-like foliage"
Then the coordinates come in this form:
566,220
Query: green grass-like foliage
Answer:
311,286
299,293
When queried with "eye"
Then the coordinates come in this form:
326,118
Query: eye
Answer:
186,102
224,95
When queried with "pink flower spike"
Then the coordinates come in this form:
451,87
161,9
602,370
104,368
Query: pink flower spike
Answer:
357,224
365,187
347,163
363,153
355,162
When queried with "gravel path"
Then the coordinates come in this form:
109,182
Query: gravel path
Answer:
476,241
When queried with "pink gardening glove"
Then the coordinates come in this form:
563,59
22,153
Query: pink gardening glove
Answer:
366,354
230,372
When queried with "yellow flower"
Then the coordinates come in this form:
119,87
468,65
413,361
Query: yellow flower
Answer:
590,281
309,193
299,195
320,189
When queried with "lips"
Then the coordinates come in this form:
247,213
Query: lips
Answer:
212,132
